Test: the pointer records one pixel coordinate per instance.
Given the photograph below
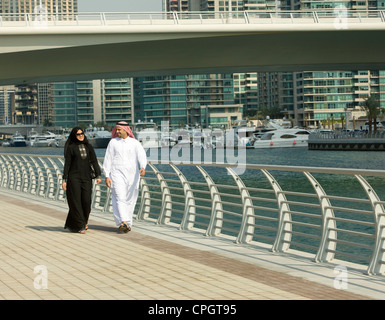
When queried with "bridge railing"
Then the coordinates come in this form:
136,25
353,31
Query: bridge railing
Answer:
330,213
42,18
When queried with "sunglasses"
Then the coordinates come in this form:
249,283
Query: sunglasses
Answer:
80,134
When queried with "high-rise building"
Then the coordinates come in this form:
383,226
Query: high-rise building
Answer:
184,99
7,104
116,100
92,101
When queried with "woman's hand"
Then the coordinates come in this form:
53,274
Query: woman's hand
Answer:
108,182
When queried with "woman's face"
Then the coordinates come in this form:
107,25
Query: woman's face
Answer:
80,135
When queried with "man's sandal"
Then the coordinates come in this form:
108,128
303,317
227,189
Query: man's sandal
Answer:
124,228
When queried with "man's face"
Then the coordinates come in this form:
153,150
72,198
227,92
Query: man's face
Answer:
121,133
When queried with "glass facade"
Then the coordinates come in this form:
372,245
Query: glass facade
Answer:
178,99
64,98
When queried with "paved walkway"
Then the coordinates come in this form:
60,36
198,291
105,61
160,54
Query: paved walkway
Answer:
149,263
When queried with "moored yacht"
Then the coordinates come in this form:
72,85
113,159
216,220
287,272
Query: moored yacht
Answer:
147,134
98,137
282,138
17,140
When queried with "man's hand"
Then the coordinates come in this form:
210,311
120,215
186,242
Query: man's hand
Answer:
98,181
142,172
108,182
64,185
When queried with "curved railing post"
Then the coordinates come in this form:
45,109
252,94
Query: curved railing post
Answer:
248,221
376,265
60,195
329,235
188,219
145,201
215,225
1,170
18,174
283,238
48,180
10,173
25,174
166,209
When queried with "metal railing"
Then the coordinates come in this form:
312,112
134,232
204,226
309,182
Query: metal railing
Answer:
337,15
328,212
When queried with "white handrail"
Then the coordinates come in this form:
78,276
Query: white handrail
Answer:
199,17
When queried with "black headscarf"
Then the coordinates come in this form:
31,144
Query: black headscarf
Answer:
72,139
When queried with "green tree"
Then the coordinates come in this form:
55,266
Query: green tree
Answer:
371,105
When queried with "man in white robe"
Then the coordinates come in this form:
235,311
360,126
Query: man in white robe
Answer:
124,162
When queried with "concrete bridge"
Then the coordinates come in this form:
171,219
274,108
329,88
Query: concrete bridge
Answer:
56,48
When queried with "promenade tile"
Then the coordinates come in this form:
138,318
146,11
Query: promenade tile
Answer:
103,264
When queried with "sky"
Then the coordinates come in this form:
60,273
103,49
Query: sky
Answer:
119,5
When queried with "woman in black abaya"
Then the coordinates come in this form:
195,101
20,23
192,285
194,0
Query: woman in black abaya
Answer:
77,179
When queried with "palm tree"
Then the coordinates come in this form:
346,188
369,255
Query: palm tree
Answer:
372,107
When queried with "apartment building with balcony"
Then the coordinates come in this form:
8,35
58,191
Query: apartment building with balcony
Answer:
7,105
179,99
116,101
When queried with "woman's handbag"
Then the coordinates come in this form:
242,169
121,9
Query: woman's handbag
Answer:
93,172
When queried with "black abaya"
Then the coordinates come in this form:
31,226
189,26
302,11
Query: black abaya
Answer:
77,173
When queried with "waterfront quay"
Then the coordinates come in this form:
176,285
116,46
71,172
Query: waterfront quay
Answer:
353,141
150,263
201,232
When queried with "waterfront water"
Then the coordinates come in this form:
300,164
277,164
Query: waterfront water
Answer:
277,156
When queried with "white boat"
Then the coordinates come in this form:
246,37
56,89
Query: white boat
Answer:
206,138
182,137
17,140
61,140
147,134
240,135
282,138
218,138
98,137
35,139
167,140
51,138
149,138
